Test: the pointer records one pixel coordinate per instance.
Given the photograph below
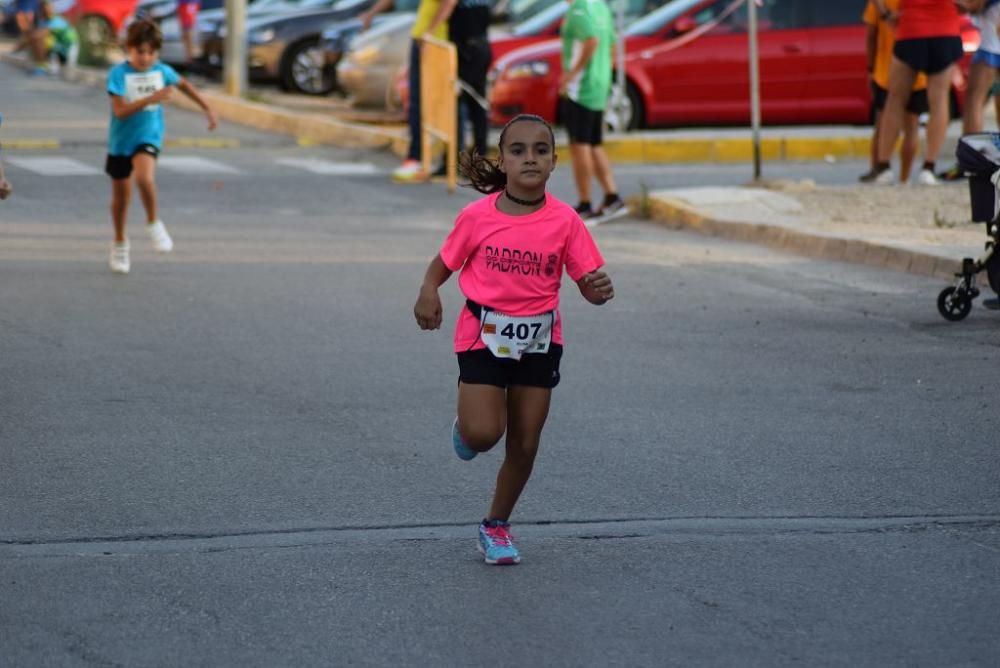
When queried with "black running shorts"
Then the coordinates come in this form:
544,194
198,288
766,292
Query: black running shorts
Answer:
929,54
120,166
583,125
481,367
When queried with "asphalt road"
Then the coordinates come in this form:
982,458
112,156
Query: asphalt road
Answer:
238,454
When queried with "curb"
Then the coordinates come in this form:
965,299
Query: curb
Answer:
306,128
315,128
681,216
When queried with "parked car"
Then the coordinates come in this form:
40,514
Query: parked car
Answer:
687,64
367,72
98,23
336,38
285,47
210,21
541,27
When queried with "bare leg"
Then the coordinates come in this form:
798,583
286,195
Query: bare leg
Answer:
144,168
602,170
911,145
873,157
527,408
121,193
981,77
583,169
938,87
901,77
482,415
188,40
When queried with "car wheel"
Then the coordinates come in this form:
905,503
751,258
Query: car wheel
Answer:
634,113
304,69
97,39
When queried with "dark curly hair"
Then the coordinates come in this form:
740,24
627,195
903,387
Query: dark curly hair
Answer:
483,173
144,31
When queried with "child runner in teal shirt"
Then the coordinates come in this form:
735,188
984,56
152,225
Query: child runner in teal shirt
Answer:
137,88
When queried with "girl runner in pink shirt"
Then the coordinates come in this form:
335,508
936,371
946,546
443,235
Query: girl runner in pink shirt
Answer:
511,248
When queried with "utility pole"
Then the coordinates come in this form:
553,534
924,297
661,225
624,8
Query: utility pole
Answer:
234,66
754,88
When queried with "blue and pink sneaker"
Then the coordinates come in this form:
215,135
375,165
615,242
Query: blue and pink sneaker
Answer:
496,544
464,452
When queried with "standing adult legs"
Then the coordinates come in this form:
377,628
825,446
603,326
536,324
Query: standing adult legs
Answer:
981,78
602,170
413,115
901,78
938,88
911,145
583,168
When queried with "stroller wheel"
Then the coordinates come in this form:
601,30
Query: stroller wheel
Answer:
952,306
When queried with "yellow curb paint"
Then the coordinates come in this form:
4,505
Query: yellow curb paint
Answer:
821,149
197,142
29,144
306,141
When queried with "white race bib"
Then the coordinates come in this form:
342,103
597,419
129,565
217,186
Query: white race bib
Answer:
143,84
510,336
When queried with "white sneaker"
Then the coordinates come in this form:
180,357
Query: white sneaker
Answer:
411,171
119,262
926,178
161,240
885,178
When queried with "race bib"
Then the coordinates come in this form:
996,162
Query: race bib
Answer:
510,336
143,84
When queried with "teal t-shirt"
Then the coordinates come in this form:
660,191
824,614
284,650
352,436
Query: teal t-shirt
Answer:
126,135
587,19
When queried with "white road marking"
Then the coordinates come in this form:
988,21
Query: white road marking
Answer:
192,164
317,166
53,166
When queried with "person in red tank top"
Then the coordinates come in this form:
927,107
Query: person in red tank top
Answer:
928,40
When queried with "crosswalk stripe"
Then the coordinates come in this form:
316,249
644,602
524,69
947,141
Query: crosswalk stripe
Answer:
317,166
53,166
192,164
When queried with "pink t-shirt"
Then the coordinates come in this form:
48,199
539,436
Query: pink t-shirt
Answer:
514,264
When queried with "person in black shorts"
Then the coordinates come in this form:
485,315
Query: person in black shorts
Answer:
588,35
927,40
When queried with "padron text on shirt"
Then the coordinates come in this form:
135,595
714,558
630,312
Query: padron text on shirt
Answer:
510,261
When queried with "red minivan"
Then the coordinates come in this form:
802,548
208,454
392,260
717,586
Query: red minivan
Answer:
687,63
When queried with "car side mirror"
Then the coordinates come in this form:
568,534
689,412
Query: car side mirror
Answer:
684,25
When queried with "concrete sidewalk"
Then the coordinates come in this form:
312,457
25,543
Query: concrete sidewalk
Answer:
924,243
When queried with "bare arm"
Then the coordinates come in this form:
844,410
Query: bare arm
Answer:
428,309
445,8
185,87
596,287
379,7
121,108
588,51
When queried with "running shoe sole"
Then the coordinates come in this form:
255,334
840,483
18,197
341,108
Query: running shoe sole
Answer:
504,561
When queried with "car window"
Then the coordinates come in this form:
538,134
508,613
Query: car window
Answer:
839,13
541,20
771,15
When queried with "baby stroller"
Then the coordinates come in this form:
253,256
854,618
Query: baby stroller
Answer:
979,158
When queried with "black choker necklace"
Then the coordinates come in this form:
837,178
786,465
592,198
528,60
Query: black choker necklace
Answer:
523,202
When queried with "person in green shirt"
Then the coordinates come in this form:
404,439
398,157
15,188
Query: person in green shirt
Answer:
588,37
60,38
